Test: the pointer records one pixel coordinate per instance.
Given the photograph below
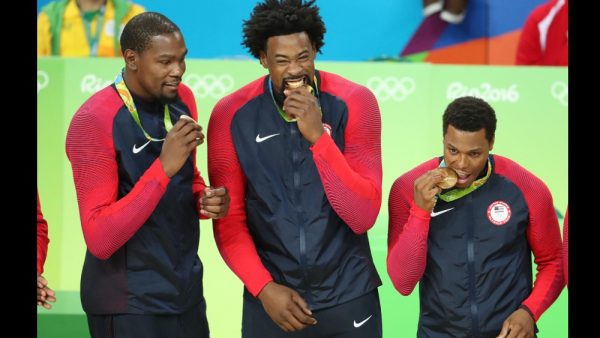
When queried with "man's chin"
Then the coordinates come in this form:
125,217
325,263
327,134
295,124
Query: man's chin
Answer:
168,98
463,185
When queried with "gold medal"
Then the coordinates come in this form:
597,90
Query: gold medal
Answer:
294,85
449,178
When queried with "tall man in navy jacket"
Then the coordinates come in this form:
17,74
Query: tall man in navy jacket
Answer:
470,245
299,152
132,147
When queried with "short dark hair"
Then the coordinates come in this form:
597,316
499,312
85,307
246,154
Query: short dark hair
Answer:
142,28
470,113
282,17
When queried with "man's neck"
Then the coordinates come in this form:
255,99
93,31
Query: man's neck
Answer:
134,89
90,5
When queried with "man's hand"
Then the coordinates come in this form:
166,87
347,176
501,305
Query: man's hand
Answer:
214,202
181,140
45,295
426,189
304,107
518,325
285,307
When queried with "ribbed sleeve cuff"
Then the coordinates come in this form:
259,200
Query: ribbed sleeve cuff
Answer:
416,211
257,285
156,172
322,144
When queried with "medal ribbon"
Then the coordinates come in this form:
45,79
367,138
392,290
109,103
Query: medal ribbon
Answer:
454,194
128,101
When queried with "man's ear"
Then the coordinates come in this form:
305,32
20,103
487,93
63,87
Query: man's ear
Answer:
131,59
263,59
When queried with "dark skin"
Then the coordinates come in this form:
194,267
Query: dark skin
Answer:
181,140
214,202
467,153
290,58
519,324
45,295
426,189
285,307
155,74
303,106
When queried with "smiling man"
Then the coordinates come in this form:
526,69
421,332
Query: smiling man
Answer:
470,245
299,151
132,147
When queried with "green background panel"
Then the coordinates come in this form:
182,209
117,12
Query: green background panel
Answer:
530,102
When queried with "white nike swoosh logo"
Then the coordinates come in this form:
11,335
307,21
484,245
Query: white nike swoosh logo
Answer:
437,213
357,325
261,139
137,150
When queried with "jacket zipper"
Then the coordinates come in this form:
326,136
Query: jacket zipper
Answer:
471,269
296,146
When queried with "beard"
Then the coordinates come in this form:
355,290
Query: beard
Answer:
279,96
163,99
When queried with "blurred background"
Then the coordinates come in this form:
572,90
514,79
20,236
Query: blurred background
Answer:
361,30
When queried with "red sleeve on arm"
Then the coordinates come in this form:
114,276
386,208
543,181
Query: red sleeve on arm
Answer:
198,185
231,232
107,223
407,232
566,247
543,234
352,179
42,238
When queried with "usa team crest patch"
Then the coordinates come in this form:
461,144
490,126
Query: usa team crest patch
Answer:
499,213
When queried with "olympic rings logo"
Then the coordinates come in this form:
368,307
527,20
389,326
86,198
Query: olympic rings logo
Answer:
560,91
209,85
42,80
391,87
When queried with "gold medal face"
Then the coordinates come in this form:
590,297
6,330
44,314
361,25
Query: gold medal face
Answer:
450,178
294,85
